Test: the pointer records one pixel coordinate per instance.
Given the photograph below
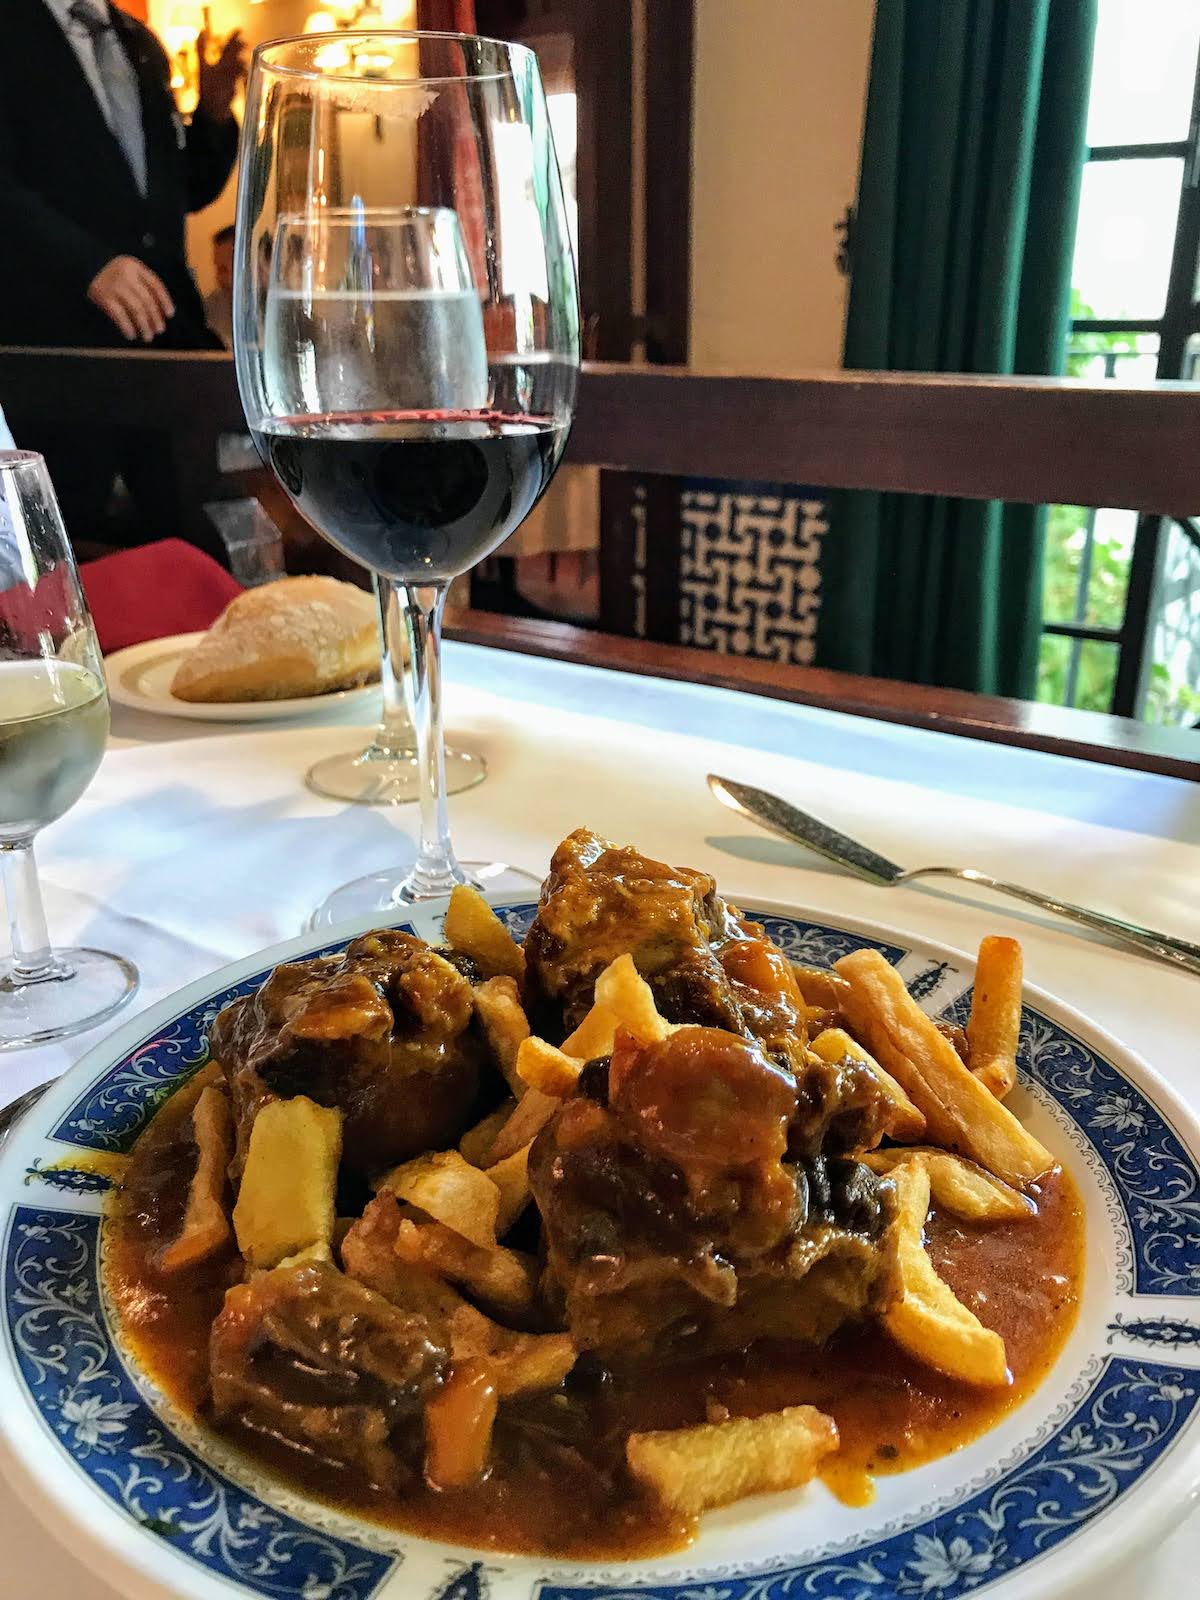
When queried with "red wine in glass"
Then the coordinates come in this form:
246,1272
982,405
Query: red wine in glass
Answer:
419,496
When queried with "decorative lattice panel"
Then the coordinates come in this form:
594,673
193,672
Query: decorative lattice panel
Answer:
750,572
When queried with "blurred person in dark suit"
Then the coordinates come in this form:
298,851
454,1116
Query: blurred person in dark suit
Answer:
218,306
97,174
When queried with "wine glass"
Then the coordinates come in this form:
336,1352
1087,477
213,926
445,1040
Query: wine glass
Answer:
406,328
53,727
387,772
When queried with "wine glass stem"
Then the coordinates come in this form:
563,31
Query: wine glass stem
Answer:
436,871
32,959
395,733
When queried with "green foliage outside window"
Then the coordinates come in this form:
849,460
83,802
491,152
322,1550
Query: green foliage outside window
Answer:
1066,538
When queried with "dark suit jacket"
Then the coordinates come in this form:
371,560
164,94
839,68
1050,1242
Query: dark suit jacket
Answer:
68,201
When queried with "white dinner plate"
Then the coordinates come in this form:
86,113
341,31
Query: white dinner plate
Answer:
140,677
1103,1455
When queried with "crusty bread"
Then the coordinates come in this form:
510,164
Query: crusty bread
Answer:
295,637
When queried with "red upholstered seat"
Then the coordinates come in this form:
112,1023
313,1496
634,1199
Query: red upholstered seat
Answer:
153,591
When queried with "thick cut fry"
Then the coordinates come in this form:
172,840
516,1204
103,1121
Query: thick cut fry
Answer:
905,1122
715,1463
511,1177
820,986
926,1318
958,1186
499,1277
623,1000
959,1112
474,928
532,1114
994,1028
524,1363
458,1427
476,1144
451,1191
543,1066
285,1203
504,1023
205,1226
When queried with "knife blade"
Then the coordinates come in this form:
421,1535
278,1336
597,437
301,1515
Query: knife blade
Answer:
769,811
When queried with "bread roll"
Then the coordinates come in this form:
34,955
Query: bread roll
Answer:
295,637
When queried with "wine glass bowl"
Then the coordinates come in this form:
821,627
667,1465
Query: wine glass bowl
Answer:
54,720
406,330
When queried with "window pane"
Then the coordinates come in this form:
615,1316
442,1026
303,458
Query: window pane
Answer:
1094,678
1173,692
1077,672
1087,565
1130,357
1127,215
1142,71
1052,668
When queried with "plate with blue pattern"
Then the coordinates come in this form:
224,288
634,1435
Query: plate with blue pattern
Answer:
1103,1455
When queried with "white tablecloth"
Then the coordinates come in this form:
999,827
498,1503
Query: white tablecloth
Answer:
195,845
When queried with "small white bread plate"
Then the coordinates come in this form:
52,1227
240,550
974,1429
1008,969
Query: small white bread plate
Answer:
140,677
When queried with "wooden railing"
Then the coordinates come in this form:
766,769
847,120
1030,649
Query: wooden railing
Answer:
1021,439
1039,440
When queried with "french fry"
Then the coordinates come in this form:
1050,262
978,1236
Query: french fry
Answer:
626,993
474,928
476,1144
958,1186
451,1191
926,1318
511,1177
623,999
594,1036
205,1227
693,1469
532,1114
905,1122
820,986
459,1418
543,1066
994,1027
959,1112
504,1023
499,1277
285,1202
524,1363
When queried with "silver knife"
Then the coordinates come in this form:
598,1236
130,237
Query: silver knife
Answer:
769,811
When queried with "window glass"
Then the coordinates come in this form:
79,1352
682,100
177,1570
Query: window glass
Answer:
1142,71
1126,234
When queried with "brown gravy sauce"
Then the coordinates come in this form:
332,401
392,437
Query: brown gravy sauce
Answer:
558,1487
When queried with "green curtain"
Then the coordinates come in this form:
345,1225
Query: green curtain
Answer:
961,258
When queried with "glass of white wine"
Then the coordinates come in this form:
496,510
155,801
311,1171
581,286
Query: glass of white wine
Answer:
53,727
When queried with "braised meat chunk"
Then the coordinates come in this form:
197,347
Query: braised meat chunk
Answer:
694,1198
382,1032
601,901
317,1361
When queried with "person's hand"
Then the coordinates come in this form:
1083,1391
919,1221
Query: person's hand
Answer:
220,79
132,297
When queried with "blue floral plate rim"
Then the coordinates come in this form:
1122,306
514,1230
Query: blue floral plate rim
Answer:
966,1536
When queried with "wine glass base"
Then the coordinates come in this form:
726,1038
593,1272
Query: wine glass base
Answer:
373,777
381,894
89,987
